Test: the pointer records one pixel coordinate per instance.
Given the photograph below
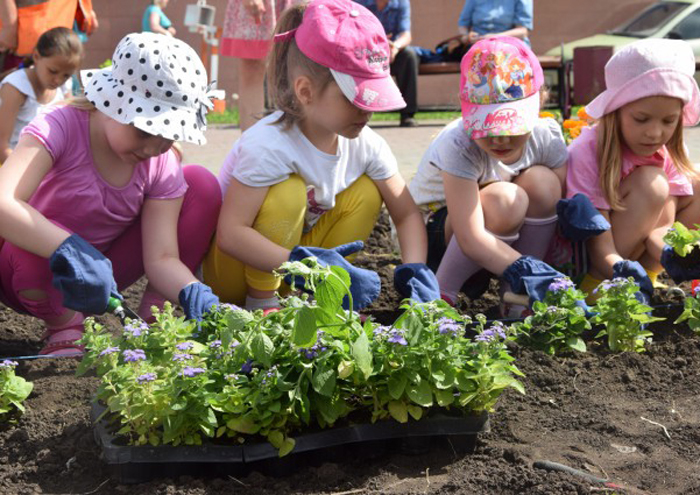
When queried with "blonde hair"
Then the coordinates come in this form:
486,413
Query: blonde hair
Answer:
158,3
285,63
609,154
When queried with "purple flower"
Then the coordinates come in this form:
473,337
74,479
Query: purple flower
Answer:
215,344
109,350
230,307
492,333
182,357
146,377
135,328
192,371
560,284
8,364
696,290
314,350
609,284
449,326
234,344
247,366
382,331
133,356
184,346
396,336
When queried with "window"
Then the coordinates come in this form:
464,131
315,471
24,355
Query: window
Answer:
688,28
651,20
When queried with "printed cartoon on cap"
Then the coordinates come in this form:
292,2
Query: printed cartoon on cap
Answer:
500,83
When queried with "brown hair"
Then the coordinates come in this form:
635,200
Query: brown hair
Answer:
56,41
609,154
285,63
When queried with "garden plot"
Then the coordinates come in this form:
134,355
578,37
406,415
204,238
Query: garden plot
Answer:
629,417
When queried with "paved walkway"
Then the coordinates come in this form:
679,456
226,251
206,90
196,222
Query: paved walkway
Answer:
408,144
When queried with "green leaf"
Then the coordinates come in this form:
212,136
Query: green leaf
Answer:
416,412
304,332
421,394
362,355
323,381
287,446
398,411
345,369
397,385
576,343
243,425
329,295
444,397
262,348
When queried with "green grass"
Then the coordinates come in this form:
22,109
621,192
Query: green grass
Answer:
230,116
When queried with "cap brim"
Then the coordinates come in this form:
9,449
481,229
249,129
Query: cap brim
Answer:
371,95
177,124
511,118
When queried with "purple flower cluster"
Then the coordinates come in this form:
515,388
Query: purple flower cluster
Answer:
381,331
215,344
8,364
450,327
696,290
133,356
495,331
609,284
181,357
247,367
314,350
270,373
397,336
109,350
184,346
230,307
192,371
560,284
146,377
135,328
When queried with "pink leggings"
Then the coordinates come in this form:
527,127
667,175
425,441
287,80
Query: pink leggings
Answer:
21,270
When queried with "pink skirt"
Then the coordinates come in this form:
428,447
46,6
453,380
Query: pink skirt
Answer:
242,37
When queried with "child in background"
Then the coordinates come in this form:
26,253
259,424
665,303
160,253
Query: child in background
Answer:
93,195
633,164
47,80
155,21
490,181
312,174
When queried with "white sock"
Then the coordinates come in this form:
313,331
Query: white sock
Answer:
253,303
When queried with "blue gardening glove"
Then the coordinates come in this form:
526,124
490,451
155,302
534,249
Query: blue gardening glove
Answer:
364,284
579,219
83,275
676,268
417,281
627,268
528,275
197,299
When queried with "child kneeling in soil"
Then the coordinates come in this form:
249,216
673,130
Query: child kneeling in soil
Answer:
633,165
490,181
93,195
312,174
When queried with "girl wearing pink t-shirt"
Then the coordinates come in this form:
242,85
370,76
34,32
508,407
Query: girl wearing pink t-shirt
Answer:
93,196
633,164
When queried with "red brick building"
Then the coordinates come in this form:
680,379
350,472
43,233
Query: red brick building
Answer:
556,21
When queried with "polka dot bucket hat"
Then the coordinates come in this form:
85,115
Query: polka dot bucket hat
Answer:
157,84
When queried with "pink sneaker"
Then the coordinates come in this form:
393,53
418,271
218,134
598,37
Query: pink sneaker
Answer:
61,341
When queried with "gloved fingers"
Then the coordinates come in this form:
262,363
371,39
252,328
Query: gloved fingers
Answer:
349,248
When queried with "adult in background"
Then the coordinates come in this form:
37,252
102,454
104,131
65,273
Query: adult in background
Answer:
155,21
395,16
247,35
483,18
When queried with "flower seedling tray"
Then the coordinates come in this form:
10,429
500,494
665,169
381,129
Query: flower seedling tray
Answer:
136,464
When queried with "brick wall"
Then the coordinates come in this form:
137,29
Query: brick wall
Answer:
556,21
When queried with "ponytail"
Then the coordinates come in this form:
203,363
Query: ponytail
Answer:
285,63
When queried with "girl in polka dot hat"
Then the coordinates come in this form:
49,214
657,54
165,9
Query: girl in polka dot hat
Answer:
310,178
93,196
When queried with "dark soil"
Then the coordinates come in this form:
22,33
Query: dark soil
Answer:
590,411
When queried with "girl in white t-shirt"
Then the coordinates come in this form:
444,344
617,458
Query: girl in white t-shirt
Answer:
24,92
499,172
313,175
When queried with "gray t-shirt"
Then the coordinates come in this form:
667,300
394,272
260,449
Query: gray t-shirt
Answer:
452,151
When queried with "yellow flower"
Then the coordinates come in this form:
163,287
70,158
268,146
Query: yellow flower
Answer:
581,114
575,132
547,114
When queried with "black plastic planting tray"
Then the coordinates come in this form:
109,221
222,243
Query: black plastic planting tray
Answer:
136,464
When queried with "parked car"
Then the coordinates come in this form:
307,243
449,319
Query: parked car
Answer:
676,19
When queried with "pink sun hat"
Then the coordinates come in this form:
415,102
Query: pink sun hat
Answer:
650,67
348,39
500,88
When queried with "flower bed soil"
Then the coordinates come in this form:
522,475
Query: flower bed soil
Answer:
584,411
